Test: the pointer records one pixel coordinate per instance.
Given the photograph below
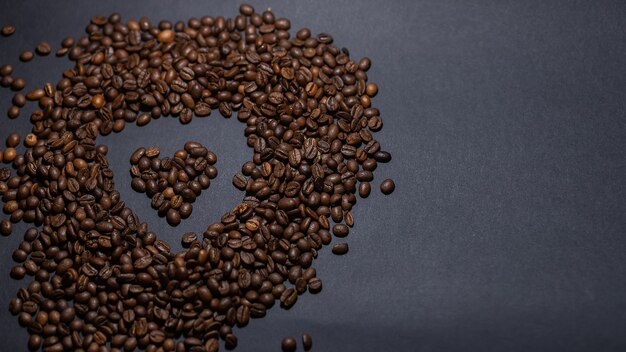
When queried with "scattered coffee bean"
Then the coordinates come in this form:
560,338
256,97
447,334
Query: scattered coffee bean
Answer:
6,70
340,249
8,29
387,186
340,230
26,56
18,83
13,140
13,112
43,48
9,155
307,342
288,344
5,227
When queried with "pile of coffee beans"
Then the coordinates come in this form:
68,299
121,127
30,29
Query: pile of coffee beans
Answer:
98,277
173,184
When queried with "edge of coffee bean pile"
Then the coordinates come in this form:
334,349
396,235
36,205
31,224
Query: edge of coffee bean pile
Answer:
96,277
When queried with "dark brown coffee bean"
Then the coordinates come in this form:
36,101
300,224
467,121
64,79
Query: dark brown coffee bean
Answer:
246,9
289,297
387,186
340,230
288,344
6,227
307,342
240,181
188,238
8,29
43,48
173,217
13,140
340,249
18,83
26,56
365,189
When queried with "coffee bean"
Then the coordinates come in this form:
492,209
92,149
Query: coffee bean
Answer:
13,140
5,227
26,56
13,112
240,181
173,217
340,249
387,186
8,29
166,36
188,238
364,189
43,48
307,342
18,83
340,230
288,344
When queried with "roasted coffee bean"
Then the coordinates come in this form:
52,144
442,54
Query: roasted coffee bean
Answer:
26,55
364,189
340,230
43,48
188,238
340,249
5,227
7,30
307,342
387,186
18,83
288,344
173,217
240,181
13,140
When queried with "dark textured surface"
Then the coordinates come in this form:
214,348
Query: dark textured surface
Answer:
507,127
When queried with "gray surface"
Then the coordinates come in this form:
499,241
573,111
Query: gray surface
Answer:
506,123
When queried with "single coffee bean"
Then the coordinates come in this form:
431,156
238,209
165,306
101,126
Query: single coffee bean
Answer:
340,249
97,101
364,189
19,100
8,29
173,217
18,83
166,36
43,48
9,155
6,70
13,140
5,227
13,112
387,186
240,181
307,342
188,238
340,230
288,344
26,56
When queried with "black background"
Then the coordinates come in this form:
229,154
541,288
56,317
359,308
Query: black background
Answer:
506,121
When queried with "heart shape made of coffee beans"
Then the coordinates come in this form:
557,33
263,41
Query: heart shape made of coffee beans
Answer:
173,184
